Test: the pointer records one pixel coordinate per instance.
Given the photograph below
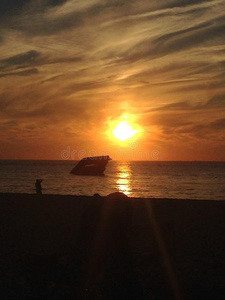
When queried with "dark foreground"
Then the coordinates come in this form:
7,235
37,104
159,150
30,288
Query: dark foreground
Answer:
69,247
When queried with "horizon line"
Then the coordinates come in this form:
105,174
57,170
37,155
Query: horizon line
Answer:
71,160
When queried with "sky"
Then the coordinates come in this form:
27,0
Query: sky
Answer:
70,70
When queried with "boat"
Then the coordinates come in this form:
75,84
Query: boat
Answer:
91,166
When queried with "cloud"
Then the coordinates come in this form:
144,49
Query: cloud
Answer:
177,3
40,25
135,7
43,18
56,2
217,101
183,106
34,18
206,33
218,124
190,121
189,128
19,61
28,72
31,59
31,106
12,7
15,7
207,130
76,64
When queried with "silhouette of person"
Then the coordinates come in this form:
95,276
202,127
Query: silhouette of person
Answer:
38,186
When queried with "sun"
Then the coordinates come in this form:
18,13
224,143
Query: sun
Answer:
124,131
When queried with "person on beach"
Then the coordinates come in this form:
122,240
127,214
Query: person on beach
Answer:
38,186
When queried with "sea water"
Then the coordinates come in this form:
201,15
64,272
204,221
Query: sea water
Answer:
180,180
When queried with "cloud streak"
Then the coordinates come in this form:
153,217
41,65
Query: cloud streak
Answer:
19,61
28,72
78,64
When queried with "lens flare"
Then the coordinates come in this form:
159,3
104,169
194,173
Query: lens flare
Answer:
124,131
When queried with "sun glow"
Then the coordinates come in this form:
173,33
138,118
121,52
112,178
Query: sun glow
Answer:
124,131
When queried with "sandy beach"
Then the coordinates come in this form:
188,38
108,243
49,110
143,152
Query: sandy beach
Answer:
114,247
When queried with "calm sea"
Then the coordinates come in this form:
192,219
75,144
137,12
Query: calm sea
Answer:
181,180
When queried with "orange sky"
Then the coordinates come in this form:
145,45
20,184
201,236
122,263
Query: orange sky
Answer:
72,69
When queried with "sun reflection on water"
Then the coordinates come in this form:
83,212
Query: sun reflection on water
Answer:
123,178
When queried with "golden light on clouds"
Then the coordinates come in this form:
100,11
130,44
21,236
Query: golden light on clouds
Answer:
103,75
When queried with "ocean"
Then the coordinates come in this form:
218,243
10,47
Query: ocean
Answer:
180,180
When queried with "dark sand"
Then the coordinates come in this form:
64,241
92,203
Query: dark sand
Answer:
70,247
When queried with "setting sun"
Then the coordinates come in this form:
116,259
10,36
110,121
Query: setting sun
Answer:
124,131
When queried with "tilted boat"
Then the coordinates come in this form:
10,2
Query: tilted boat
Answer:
92,166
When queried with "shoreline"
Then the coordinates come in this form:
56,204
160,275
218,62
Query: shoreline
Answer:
3,194
112,247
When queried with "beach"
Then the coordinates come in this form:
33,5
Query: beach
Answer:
113,247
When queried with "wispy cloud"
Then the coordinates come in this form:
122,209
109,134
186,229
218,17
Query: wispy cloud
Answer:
19,61
28,72
75,64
